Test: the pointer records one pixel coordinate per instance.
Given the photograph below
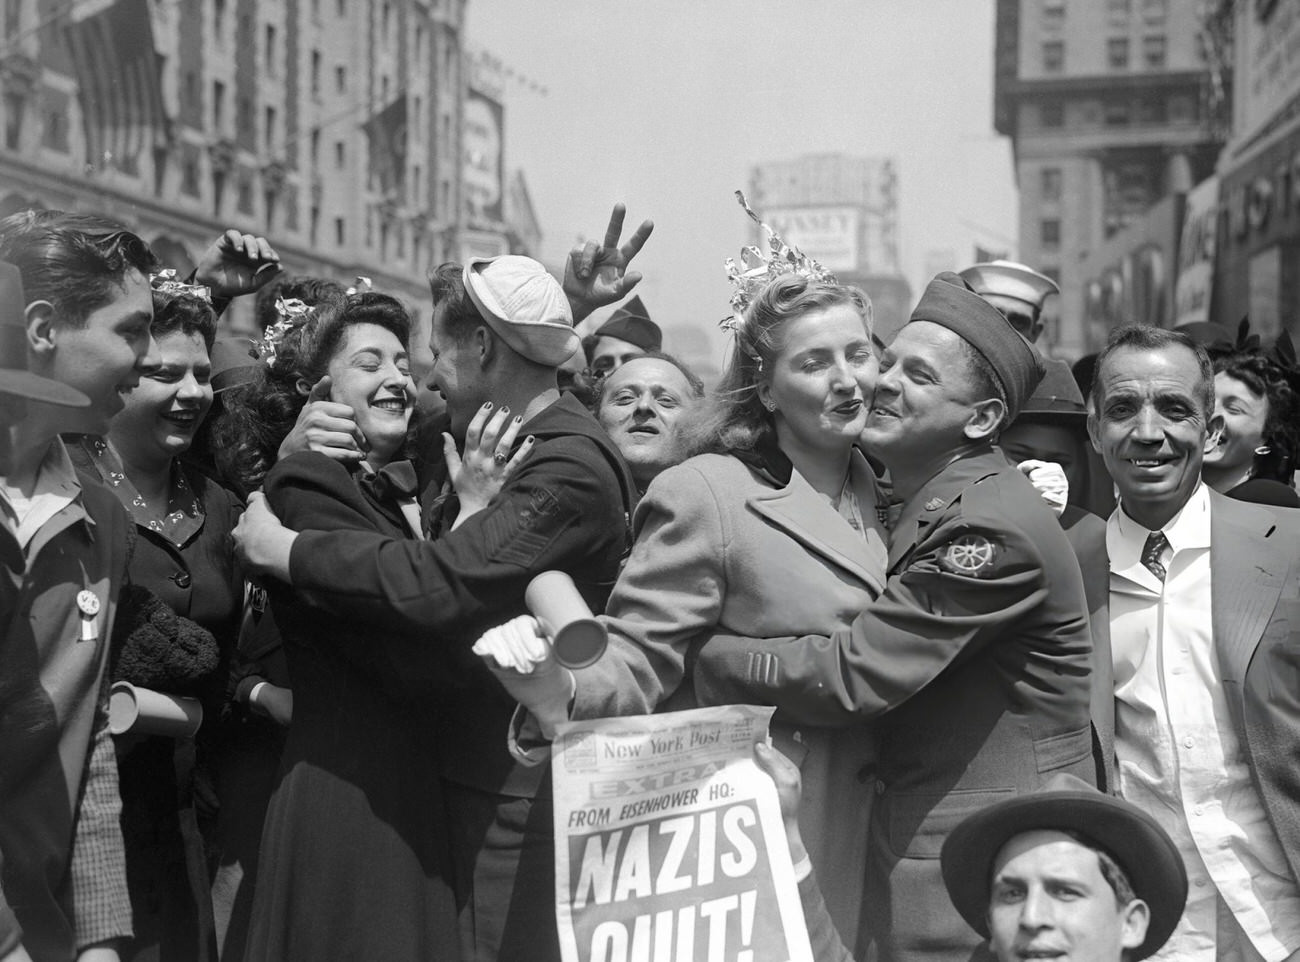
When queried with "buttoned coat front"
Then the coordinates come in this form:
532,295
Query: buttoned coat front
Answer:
722,545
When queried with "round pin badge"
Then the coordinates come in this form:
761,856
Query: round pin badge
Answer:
88,603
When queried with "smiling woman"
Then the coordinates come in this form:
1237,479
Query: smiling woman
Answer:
180,627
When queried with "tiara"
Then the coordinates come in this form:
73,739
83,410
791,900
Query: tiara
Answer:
362,286
293,314
165,282
756,270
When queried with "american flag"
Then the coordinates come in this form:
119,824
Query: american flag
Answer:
119,83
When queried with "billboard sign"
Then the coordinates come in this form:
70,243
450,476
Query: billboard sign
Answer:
829,235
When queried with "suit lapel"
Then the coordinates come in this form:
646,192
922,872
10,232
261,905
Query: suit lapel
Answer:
1247,571
807,517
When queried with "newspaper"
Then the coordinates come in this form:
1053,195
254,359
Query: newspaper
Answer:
669,842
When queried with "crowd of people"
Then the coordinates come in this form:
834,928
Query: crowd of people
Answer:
1030,631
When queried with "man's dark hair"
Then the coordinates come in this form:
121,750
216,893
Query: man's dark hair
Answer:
985,381
75,261
447,285
1139,337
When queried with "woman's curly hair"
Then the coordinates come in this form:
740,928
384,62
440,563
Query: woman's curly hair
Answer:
1268,379
258,416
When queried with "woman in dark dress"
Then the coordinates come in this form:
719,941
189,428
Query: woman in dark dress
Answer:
176,627
354,857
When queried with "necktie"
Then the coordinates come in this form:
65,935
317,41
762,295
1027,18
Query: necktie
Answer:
1151,552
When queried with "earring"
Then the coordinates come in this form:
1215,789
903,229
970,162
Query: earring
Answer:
770,405
1262,450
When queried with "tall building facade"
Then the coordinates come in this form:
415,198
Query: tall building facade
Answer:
1111,105
333,127
843,212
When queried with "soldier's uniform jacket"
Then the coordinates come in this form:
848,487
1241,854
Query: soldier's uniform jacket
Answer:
976,662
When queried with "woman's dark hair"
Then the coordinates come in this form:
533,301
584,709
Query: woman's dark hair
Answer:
75,261
1267,378
183,313
259,415
738,420
303,287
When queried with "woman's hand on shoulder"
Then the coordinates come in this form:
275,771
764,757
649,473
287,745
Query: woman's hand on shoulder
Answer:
480,472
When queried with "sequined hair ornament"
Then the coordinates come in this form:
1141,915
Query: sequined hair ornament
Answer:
165,282
362,286
756,270
293,314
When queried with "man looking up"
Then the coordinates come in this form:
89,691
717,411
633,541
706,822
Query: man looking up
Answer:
1205,642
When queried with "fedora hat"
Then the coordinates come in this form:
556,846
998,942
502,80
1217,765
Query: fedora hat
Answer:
1068,804
15,377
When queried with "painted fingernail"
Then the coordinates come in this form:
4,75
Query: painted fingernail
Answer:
530,439
505,410
519,419
487,406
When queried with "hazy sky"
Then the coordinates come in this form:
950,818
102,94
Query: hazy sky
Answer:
667,104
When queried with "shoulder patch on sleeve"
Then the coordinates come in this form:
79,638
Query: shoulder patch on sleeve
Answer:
969,555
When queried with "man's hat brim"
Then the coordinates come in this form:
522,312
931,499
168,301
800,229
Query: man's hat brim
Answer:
33,387
1131,837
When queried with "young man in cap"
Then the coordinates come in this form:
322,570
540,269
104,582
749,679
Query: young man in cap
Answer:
501,328
72,344
1019,292
975,658
1204,595
1065,873
629,332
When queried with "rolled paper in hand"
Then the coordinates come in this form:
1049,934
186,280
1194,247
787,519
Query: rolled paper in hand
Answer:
143,711
577,637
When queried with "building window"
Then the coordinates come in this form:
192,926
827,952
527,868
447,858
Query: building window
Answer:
340,79
1116,113
219,17
1153,52
1117,53
342,8
1051,113
1053,56
13,16
1053,18
313,229
1049,233
315,74
315,148
247,122
1181,109
1049,183
1152,110
270,49
340,155
55,134
190,174
340,234
290,208
269,135
1154,11
218,106
244,196
14,109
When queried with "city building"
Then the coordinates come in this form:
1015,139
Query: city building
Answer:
1255,250
842,212
332,127
1111,106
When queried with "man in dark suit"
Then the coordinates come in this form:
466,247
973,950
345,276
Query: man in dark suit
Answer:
1205,635
975,658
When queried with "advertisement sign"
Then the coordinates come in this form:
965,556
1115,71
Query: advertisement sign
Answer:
1196,254
669,842
1267,62
829,235
484,166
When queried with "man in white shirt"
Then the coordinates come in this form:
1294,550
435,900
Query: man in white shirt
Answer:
1205,635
